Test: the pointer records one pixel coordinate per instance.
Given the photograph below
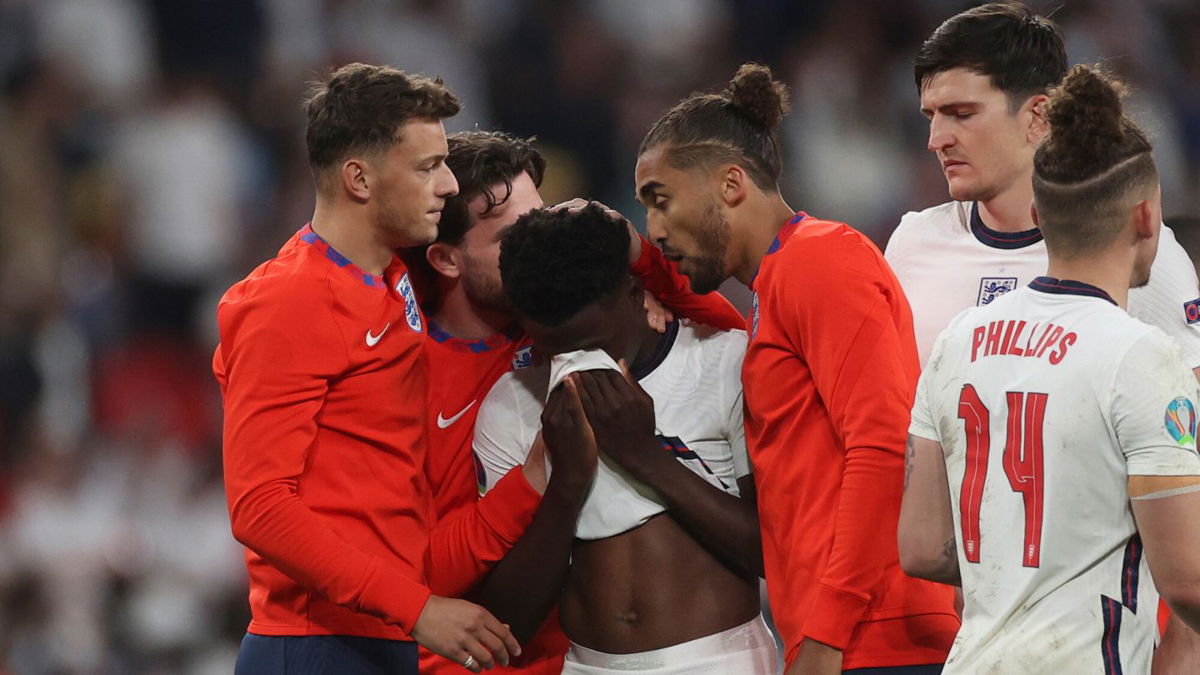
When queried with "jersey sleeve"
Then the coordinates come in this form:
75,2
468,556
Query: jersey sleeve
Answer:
464,547
277,356
662,278
731,380
1171,294
502,437
838,316
1154,409
923,422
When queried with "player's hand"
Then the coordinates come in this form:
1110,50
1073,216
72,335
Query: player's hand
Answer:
657,314
816,658
458,629
635,241
622,417
569,439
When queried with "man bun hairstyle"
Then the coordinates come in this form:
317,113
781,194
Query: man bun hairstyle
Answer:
738,126
482,161
1095,164
360,109
1020,52
555,263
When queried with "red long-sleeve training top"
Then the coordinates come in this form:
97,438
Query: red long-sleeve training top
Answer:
324,377
829,378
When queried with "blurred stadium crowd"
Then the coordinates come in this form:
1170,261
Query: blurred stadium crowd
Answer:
151,153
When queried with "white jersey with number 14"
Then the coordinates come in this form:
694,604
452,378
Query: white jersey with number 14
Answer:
1045,401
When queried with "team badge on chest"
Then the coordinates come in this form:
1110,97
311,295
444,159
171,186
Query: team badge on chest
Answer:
991,288
412,313
754,318
523,358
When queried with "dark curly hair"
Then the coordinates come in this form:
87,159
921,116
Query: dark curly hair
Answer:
480,161
1020,52
737,125
556,263
361,108
1095,160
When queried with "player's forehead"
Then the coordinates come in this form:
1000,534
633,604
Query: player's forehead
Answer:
654,173
422,138
958,85
522,197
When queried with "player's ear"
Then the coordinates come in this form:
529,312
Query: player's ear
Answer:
444,259
1145,225
1034,214
353,176
1039,126
735,184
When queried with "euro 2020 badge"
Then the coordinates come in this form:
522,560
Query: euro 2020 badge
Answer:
1180,421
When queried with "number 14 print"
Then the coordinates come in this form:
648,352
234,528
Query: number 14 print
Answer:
1022,464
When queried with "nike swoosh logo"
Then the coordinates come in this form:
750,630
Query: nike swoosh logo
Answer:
444,423
373,340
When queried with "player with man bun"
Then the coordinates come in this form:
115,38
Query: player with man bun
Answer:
829,376
1052,459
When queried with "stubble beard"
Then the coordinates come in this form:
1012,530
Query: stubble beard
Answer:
707,267
485,292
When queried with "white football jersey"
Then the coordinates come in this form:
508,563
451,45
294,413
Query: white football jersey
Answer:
947,260
697,390
1045,401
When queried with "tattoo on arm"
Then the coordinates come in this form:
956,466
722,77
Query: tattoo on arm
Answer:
909,455
947,571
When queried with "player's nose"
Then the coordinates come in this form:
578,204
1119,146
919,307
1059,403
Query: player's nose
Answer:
939,136
655,227
447,185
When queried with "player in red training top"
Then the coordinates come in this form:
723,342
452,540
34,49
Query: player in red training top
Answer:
829,377
474,339
322,367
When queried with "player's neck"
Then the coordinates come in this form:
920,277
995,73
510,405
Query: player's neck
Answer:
350,234
1110,271
1009,211
761,222
461,318
646,348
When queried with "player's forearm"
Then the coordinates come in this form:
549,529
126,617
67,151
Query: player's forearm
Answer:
724,524
868,504
528,582
465,546
940,566
925,537
272,521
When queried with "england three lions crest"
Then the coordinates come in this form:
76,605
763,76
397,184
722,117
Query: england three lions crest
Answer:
991,288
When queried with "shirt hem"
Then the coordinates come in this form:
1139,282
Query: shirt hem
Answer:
283,630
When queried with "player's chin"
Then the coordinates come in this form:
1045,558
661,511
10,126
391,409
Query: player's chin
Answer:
701,281
962,190
429,230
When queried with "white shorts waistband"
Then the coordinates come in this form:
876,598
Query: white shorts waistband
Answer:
751,636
